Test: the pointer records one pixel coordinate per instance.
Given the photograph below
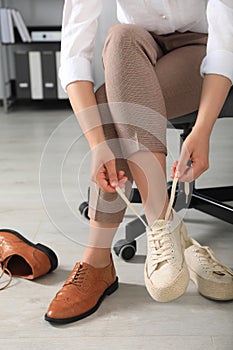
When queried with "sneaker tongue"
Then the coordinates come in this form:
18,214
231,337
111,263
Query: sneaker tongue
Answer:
158,224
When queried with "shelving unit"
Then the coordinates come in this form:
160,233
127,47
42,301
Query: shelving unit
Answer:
7,52
5,81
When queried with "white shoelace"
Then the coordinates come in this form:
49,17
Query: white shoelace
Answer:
210,263
170,204
161,246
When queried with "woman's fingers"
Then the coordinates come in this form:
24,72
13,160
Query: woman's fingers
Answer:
194,171
103,182
102,179
112,173
181,166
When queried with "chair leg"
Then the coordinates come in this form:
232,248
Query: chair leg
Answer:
211,201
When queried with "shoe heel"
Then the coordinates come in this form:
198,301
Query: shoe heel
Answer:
51,255
112,288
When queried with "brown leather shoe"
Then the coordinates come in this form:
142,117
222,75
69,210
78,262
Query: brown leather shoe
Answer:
82,293
21,258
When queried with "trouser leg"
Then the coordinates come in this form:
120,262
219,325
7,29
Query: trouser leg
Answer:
137,74
109,207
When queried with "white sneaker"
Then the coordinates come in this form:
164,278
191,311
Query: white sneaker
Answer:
166,274
213,279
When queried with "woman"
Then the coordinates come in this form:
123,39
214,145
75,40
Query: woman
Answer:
152,60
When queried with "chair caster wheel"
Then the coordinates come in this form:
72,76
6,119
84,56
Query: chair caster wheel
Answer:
126,250
83,208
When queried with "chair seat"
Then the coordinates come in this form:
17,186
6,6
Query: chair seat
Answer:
188,120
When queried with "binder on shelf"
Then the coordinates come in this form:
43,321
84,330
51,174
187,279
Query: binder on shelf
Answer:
11,27
21,26
61,94
7,29
46,35
35,71
49,75
22,75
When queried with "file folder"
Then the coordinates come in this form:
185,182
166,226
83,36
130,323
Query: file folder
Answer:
22,75
6,26
35,75
21,26
49,75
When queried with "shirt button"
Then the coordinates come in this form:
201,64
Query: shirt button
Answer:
163,16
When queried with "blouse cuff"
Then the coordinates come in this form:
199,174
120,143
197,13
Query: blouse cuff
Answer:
74,69
218,62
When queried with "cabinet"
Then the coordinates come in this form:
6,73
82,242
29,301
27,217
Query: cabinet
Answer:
29,69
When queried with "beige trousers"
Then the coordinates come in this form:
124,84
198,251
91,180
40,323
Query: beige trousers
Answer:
148,78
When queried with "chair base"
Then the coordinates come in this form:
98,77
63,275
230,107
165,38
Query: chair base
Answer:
212,201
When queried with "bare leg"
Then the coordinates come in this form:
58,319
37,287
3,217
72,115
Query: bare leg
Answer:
149,172
97,252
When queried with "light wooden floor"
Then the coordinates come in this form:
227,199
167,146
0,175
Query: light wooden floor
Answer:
129,318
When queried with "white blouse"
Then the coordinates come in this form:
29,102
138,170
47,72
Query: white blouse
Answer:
80,22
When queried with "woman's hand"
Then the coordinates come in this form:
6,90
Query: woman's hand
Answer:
103,169
196,149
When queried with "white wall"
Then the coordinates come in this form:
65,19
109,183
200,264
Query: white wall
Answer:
39,12
107,18
49,13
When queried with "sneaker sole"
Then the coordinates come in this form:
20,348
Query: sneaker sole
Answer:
111,289
49,252
211,289
172,291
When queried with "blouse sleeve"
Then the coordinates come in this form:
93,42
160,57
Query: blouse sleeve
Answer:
79,27
219,57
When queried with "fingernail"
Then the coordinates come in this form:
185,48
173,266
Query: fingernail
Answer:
113,183
177,174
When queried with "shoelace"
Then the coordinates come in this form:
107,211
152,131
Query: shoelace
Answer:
160,245
160,242
77,277
210,263
169,208
5,270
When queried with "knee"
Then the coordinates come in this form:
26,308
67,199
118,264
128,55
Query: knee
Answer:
120,38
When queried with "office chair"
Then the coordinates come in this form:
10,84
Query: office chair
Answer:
207,200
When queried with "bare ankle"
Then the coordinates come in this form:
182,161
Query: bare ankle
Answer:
97,257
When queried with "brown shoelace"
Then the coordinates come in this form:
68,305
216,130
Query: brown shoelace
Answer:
5,270
77,276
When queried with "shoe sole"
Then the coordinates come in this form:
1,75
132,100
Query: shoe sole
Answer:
111,289
211,291
170,292
51,255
